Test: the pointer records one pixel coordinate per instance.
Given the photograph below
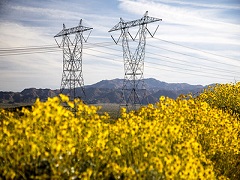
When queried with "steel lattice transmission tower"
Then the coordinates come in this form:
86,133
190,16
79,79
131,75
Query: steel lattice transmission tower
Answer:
72,76
133,89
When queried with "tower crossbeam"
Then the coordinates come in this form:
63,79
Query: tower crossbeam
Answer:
144,20
72,30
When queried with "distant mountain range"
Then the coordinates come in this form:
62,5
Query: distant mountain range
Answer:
105,91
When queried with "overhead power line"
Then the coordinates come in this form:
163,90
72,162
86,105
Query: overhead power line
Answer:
45,49
29,52
188,73
26,48
159,66
48,46
192,70
208,60
179,60
172,60
35,49
206,52
187,63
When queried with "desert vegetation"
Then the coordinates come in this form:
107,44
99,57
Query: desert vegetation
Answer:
186,138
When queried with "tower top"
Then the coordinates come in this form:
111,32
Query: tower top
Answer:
144,20
72,30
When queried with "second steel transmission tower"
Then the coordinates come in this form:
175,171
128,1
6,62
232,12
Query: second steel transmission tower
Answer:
72,76
133,89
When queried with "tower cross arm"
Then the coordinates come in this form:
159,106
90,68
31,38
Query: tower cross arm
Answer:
72,30
142,21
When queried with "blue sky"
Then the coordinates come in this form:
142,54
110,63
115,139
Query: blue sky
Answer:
208,26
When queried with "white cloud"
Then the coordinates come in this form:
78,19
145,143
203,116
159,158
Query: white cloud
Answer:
185,24
32,70
205,5
47,12
177,15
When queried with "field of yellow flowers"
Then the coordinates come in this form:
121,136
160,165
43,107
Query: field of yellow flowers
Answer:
187,138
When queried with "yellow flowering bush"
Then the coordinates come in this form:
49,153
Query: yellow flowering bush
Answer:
224,96
173,139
